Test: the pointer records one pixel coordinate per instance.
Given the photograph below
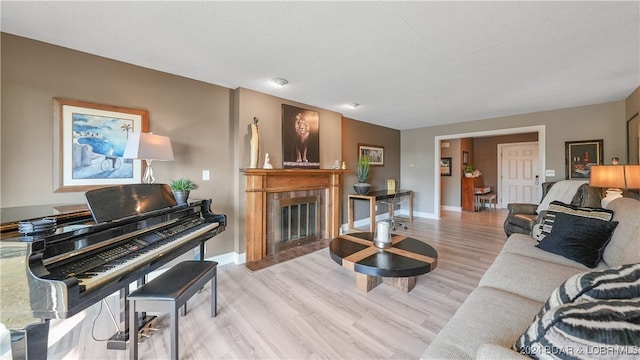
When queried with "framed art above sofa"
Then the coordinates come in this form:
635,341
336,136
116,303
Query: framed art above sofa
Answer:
580,155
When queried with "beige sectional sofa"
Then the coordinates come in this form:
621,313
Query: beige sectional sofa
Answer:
516,286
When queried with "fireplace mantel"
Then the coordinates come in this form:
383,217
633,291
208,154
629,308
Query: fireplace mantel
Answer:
260,182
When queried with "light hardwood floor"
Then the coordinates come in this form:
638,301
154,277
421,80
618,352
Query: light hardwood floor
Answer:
308,307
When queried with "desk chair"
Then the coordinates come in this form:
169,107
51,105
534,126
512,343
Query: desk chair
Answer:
391,204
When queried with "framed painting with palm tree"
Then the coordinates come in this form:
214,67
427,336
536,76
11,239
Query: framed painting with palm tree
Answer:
89,141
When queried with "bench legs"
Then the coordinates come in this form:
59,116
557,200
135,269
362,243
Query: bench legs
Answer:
168,293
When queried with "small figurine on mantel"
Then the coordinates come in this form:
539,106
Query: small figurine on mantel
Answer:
267,162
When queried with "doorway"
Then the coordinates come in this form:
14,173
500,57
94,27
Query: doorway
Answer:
518,173
540,129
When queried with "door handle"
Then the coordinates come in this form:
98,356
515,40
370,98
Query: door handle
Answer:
537,180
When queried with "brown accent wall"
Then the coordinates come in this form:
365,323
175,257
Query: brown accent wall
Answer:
450,185
356,132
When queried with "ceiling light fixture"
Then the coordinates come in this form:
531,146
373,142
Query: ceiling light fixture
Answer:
279,81
354,105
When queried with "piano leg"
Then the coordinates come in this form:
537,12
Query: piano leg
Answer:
119,340
30,343
122,339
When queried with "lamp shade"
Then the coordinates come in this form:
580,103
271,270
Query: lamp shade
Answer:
607,176
632,176
148,146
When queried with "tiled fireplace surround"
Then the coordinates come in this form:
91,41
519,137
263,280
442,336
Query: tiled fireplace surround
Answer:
264,187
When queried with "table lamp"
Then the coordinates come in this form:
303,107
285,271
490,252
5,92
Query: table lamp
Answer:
632,176
614,178
148,147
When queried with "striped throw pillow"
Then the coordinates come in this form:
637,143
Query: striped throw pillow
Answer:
560,207
602,329
621,282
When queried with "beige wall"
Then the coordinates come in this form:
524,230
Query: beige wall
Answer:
632,104
268,109
194,114
633,128
208,126
600,121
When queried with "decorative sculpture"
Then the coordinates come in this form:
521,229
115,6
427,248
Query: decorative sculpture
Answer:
255,139
267,162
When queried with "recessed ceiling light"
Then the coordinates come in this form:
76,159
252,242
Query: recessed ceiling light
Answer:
280,82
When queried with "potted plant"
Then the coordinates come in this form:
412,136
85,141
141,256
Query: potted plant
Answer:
468,171
181,188
362,187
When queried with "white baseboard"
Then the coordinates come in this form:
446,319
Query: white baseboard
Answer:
229,258
451,208
403,213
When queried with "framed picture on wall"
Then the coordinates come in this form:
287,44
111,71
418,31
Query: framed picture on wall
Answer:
89,141
580,155
633,140
445,166
374,152
465,158
300,138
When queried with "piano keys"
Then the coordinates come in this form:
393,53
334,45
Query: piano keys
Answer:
133,230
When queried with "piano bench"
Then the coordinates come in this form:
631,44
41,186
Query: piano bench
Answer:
169,292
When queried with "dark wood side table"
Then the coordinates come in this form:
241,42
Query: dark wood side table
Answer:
397,266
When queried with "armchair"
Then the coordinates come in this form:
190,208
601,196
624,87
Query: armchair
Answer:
522,217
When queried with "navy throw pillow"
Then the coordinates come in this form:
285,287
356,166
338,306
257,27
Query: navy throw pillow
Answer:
578,238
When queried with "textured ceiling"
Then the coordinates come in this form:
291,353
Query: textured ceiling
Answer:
408,64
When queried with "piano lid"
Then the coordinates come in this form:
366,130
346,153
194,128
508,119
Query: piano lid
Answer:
117,202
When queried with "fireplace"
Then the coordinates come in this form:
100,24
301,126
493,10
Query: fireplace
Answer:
296,220
286,208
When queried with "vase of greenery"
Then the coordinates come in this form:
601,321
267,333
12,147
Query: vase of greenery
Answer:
362,187
181,189
468,171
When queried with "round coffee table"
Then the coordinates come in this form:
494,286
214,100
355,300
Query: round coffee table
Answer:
397,266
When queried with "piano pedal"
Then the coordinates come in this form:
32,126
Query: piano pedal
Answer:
120,341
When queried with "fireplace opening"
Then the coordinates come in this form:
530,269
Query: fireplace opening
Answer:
296,222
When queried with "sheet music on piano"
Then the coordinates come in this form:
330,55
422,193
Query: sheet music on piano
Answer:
136,229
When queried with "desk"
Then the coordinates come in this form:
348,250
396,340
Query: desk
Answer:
374,196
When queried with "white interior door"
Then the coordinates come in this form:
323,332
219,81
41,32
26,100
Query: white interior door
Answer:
519,173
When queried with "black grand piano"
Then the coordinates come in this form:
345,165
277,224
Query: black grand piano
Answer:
55,272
